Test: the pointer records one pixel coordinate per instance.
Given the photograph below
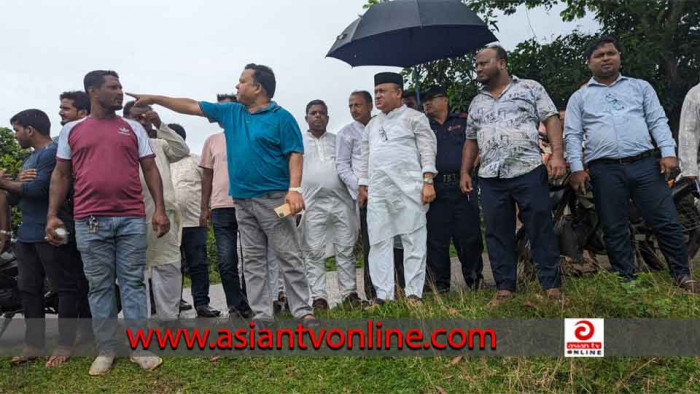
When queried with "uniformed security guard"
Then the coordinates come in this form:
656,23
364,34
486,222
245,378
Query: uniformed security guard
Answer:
452,215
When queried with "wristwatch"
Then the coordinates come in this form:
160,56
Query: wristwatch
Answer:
296,189
428,180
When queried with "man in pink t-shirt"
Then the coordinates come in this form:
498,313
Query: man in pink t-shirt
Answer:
103,153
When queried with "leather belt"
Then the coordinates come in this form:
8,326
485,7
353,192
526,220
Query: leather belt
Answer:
625,160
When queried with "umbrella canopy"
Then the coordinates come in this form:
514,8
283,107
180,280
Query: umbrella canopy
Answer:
405,33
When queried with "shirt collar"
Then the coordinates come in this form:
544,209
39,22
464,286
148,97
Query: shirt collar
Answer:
514,80
592,81
396,112
450,115
272,107
358,125
313,137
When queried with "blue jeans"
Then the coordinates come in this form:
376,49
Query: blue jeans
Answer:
116,251
194,245
498,198
226,235
613,186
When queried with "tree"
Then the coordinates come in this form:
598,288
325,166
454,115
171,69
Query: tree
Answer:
660,41
11,155
11,158
559,65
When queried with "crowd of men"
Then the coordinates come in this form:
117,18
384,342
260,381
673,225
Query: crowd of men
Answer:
122,199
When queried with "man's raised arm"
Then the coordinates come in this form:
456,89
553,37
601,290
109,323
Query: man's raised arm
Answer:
182,105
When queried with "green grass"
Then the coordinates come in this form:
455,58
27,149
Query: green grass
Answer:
601,295
354,375
214,276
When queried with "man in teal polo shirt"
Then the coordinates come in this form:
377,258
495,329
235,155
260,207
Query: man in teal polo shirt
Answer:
265,159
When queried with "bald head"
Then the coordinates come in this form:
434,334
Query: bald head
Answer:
490,64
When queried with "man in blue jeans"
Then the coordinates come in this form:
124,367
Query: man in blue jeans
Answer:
103,153
618,116
265,161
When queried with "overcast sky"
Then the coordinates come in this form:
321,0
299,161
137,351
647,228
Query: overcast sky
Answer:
198,49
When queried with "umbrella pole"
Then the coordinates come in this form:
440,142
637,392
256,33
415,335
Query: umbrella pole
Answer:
417,83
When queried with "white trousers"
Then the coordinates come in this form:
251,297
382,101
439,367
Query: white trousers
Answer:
316,271
381,264
166,280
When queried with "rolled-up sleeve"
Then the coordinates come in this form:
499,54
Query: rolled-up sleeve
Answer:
657,121
688,134
573,133
426,142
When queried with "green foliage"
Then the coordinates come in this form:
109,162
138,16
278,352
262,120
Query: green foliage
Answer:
660,41
11,158
559,66
11,155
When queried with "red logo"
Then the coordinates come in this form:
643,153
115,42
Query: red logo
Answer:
584,330
584,337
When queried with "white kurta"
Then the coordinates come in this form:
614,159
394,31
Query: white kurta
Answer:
397,148
169,148
330,216
330,220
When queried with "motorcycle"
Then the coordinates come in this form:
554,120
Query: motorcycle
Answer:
10,301
580,234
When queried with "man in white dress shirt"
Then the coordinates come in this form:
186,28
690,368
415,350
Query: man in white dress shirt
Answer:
348,154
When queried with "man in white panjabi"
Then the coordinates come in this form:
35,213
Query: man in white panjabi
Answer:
163,254
397,170
330,218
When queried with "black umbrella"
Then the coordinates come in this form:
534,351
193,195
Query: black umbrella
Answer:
405,33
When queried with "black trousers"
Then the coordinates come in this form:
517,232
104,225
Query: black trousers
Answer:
194,248
64,269
398,259
498,198
613,186
453,216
